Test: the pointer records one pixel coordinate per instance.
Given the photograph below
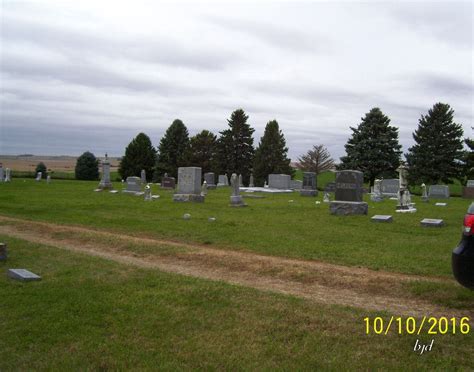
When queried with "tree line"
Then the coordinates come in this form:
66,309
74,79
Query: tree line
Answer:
438,154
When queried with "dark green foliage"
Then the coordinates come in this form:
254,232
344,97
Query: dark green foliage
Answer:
468,173
171,151
235,150
438,151
373,147
201,151
41,167
316,160
87,167
139,155
271,154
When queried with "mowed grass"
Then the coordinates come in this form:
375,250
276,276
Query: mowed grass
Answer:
90,313
283,225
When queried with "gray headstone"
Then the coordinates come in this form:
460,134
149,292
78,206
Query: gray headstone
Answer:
236,198
381,218
431,222
470,183
134,184
22,275
39,175
8,175
105,183
210,179
251,182
349,185
189,185
48,178
279,181
143,176
439,192
296,185
189,180
390,186
168,183
223,180
2,176
241,182
309,181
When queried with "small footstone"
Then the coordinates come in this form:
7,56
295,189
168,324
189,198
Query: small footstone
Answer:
113,191
382,218
155,196
441,204
98,190
432,222
186,216
22,275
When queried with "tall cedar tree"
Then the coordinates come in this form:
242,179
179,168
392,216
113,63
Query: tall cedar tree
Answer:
201,151
87,167
316,160
235,150
139,154
373,147
468,173
438,151
171,150
271,154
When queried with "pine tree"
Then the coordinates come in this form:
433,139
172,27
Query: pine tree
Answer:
468,173
235,150
139,154
271,154
171,150
373,147
438,151
87,167
201,151
316,160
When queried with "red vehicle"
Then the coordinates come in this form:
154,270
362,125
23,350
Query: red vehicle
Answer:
463,254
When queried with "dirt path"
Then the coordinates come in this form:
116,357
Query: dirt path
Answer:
317,281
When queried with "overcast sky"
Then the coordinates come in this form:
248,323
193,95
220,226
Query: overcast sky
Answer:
90,75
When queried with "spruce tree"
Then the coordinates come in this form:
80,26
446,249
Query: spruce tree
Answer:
87,167
235,150
271,154
438,151
139,154
468,173
201,151
171,150
373,147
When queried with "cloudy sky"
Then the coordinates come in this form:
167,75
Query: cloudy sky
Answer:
90,75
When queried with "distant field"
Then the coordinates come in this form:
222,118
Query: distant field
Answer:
53,163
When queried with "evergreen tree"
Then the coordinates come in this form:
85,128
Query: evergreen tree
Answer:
235,150
316,160
87,167
468,173
171,150
41,167
201,151
271,154
373,147
438,151
139,154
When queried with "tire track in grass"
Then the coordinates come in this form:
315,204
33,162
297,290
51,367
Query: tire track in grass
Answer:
317,281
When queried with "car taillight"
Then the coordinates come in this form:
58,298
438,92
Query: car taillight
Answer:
468,224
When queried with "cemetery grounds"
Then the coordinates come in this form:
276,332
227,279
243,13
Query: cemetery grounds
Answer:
280,284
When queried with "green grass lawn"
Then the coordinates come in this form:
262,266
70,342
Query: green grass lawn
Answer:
272,225
89,313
